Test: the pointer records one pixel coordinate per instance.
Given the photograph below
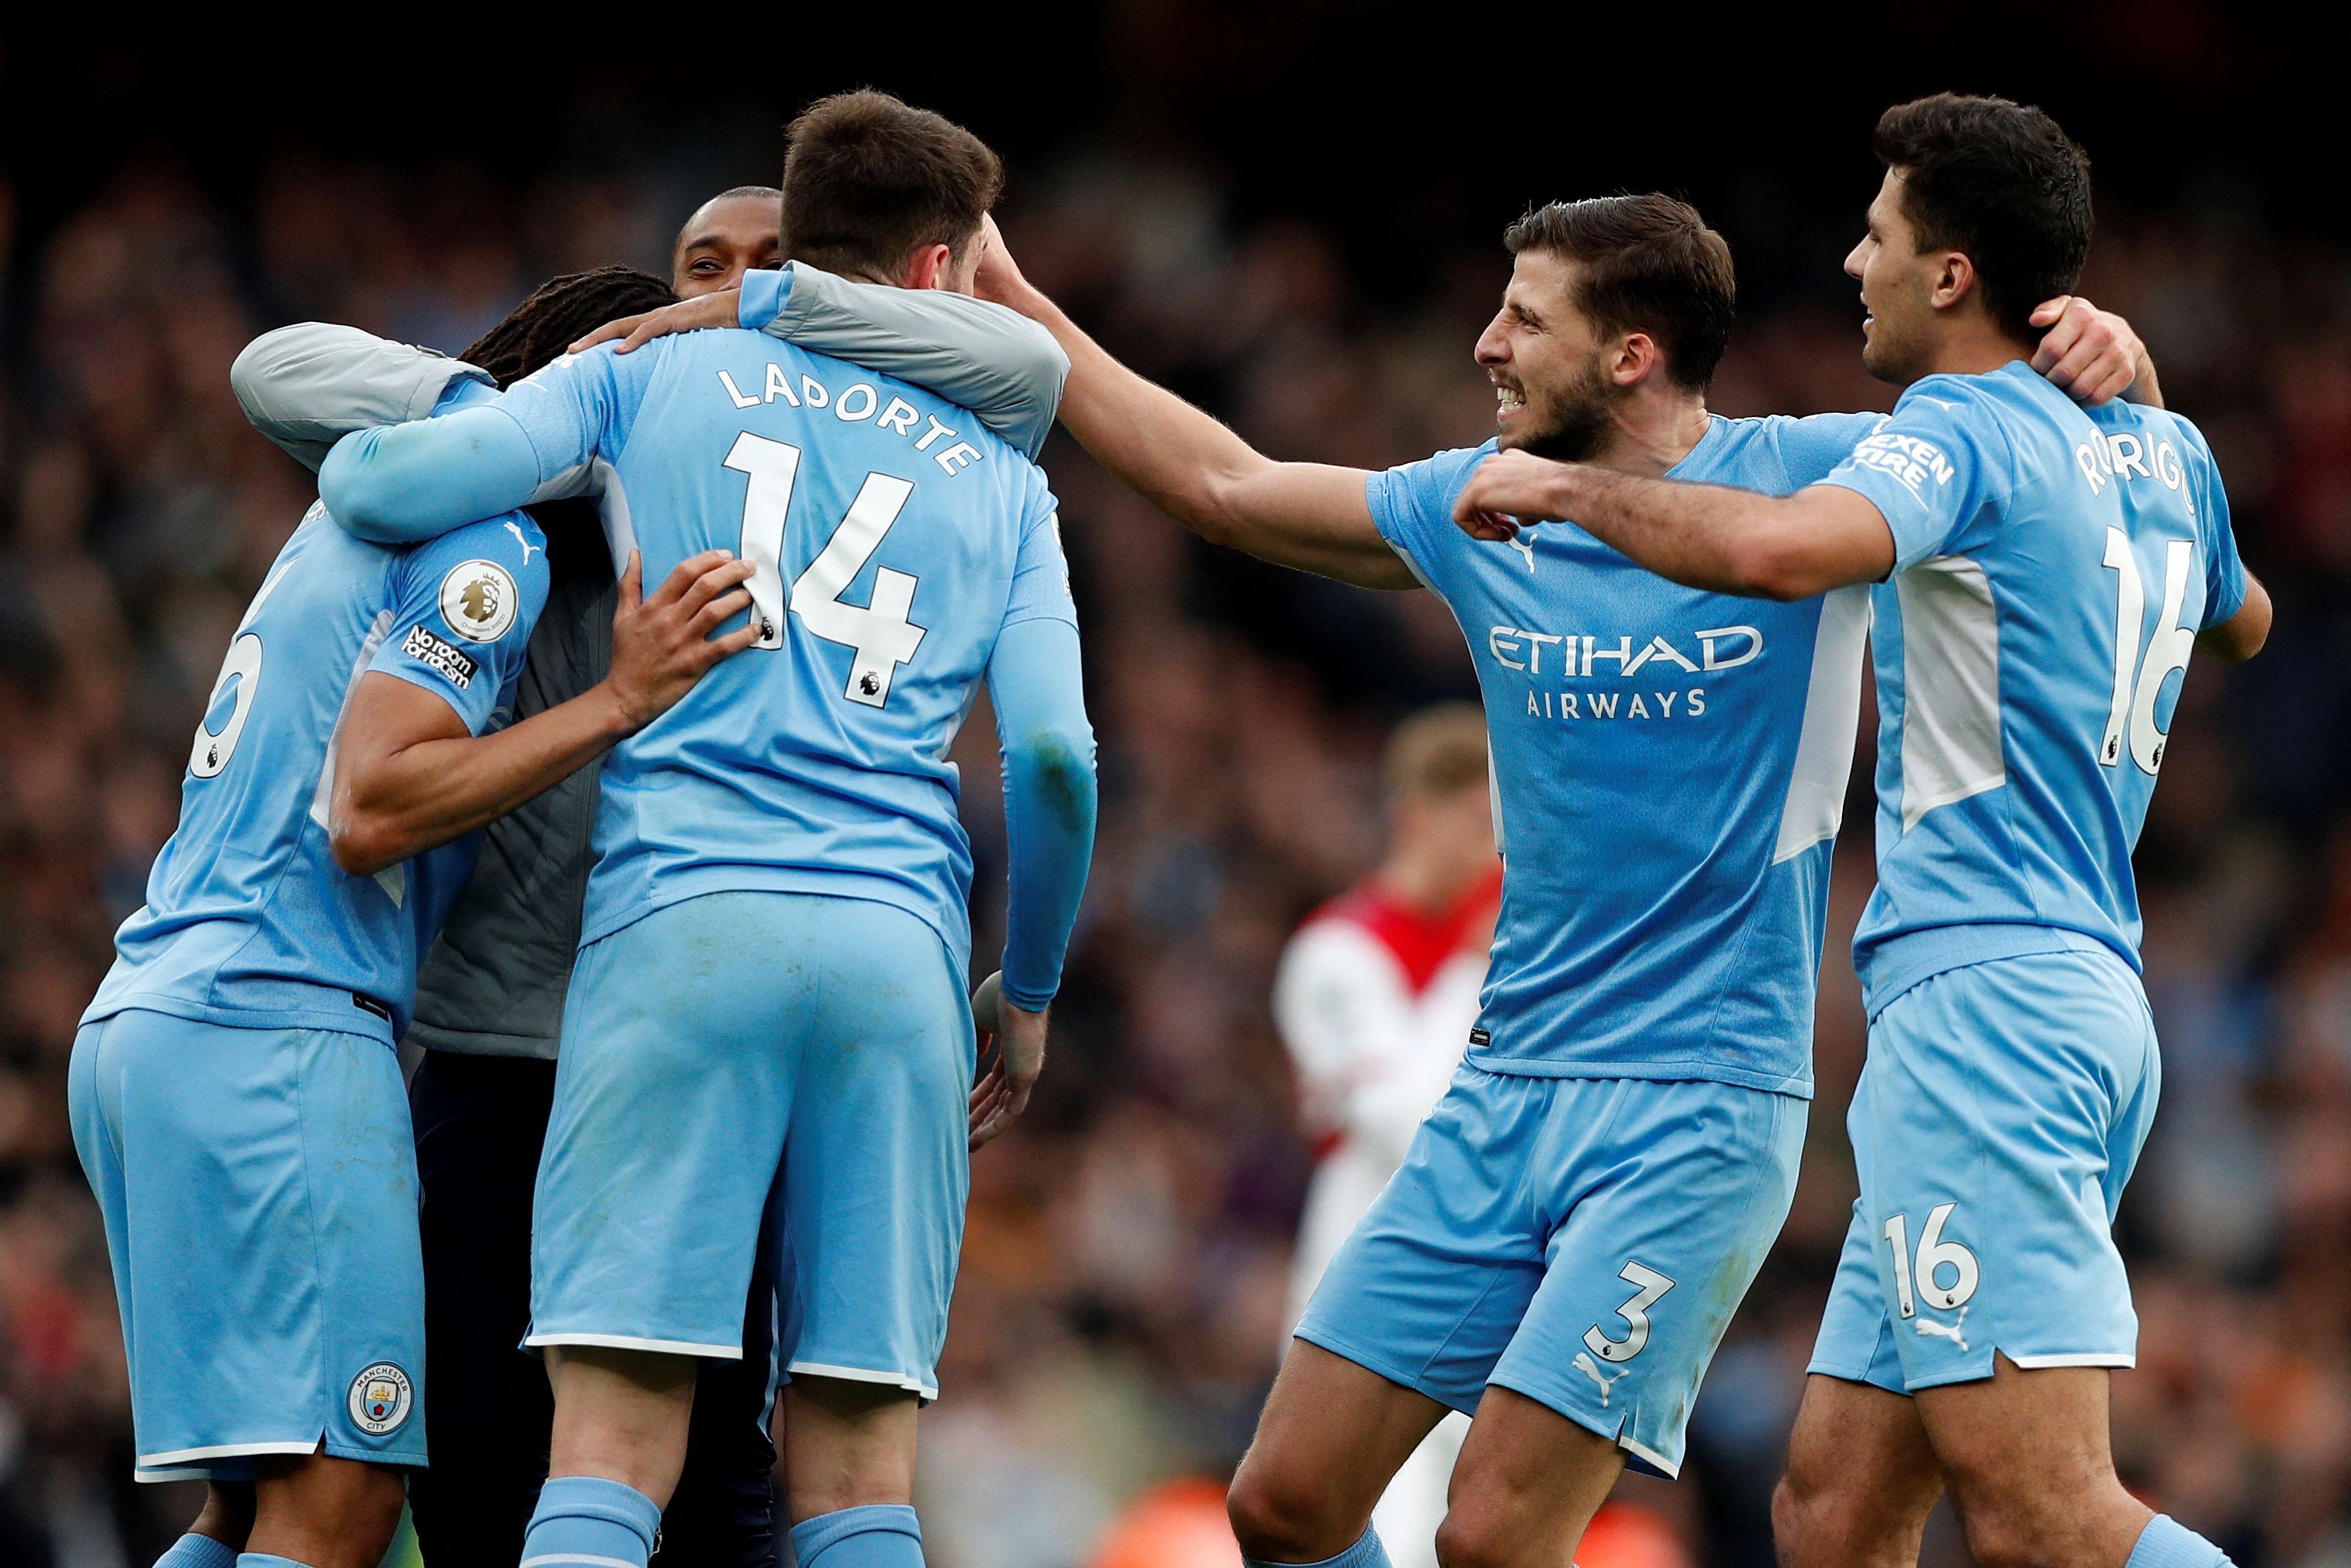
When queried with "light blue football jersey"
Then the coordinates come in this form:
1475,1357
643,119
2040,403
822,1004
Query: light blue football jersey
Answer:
248,920
2052,567
1669,769
895,540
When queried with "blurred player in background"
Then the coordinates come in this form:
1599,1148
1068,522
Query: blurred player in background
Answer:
236,1097
1374,999
1576,1221
2043,573
770,993
490,994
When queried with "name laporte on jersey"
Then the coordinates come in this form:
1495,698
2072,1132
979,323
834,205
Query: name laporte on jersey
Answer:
1573,656
856,403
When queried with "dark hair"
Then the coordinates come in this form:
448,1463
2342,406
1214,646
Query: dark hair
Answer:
559,312
867,179
1650,264
1999,182
536,333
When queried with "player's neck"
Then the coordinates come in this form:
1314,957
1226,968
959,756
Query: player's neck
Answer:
1649,434
1973,347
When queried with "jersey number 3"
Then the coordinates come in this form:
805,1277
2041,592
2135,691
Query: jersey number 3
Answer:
879,634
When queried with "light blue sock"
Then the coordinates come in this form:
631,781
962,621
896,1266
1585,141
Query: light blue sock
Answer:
193,1551
879,1535
1365,1553
244,1560
586,1522
2168,1543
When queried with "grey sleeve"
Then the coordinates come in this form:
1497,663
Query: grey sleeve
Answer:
308,385
996,362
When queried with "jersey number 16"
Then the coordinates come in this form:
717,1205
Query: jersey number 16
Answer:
2137,684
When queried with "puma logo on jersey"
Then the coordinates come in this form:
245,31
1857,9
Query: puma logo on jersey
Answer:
526,546
1524,545
1591,1369
1928,1328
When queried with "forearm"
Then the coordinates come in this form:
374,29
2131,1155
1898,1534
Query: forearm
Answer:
2145,388
1173,454
1703,536
406,482
1048,800
425,794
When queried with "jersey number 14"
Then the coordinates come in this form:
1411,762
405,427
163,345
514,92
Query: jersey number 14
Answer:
2138,682
879,634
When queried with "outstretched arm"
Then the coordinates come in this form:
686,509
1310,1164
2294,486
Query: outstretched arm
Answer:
1705,536
1310,515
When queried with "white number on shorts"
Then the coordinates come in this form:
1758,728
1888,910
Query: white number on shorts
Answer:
1650,1285
2138,684
881,633
1935,1254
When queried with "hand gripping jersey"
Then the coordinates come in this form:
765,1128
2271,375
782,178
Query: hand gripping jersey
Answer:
249,920
1669,770
897,540
2053,565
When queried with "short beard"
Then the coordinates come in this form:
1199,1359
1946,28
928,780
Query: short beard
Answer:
1579,427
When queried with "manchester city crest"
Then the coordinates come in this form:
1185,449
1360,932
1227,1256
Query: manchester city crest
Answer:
477,601
380,1399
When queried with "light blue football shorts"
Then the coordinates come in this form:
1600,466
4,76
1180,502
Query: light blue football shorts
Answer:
259,1192
2001,1113
1583,1241
737,1042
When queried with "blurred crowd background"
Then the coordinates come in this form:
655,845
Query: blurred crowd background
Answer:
1289,214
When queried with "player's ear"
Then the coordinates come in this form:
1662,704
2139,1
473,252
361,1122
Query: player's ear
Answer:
1955,282
928,267
1637,358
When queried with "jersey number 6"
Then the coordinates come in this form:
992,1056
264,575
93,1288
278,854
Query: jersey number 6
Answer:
879,634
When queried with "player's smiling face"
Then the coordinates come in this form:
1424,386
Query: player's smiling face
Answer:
1544,357
1897,287
729,236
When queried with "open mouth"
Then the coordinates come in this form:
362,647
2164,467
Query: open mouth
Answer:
1507,401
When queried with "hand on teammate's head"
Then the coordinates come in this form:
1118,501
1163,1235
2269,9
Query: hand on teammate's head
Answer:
998,275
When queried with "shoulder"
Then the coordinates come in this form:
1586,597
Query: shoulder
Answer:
485,575
1428,484
1977,416
1803,448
